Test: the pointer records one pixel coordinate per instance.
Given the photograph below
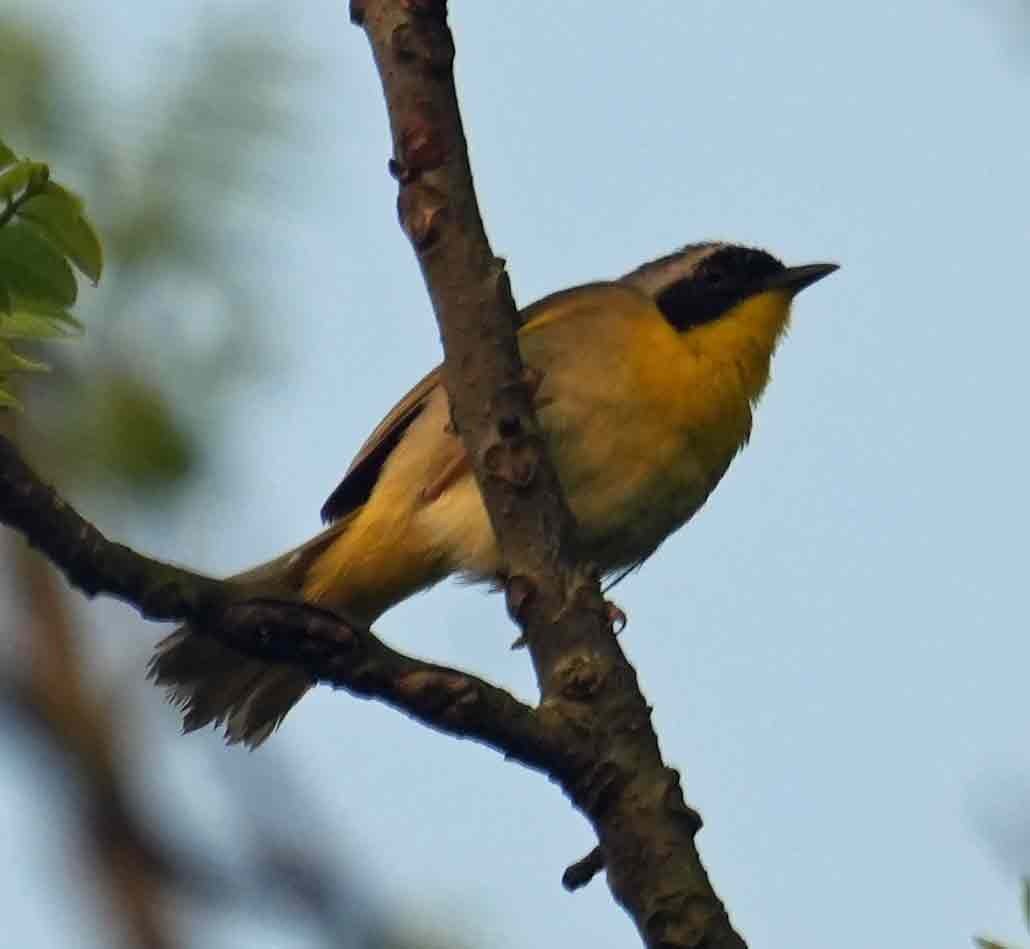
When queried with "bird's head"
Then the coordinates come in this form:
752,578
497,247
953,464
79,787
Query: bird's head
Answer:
705,283
729,304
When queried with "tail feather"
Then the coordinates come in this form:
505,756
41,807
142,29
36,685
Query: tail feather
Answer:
267,704
213,684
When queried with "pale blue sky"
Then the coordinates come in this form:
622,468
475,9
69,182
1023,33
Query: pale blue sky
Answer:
836,648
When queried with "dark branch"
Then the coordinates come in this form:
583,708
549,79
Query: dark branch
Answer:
619,780
89,560
592,733
583,871
333,651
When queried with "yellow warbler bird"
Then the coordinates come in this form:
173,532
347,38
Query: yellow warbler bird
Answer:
644,391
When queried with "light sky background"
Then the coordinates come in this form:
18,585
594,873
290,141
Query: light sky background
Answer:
836,648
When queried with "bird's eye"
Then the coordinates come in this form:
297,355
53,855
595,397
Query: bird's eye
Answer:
713,277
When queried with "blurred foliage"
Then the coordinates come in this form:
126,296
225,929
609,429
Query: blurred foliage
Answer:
172,328
992,944
1014,16
43,232
170,177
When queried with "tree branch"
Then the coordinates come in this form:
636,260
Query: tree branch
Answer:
645,829
592,732
333,651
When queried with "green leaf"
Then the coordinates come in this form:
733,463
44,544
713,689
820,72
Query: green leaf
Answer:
58,214
10,361
140,439
7,157
30,266
49,310
38,322
5,299
7,400
21,177
66,194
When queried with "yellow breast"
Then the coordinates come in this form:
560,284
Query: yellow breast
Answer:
642,419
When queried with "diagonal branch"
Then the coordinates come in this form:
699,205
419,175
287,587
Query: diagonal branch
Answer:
333,651
645,829
592,732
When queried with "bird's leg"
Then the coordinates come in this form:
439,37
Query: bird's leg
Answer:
453,470
616,617
533,379
613,613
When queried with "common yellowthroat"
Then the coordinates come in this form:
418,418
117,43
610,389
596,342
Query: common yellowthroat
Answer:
643,387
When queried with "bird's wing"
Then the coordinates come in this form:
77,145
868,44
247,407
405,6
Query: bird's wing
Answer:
361,476
357,484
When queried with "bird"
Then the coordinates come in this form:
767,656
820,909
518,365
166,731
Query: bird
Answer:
644,388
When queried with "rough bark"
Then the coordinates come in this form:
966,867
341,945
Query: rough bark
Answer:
334,651
592,732
617,777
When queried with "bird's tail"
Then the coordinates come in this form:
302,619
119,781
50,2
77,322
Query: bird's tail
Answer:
213,684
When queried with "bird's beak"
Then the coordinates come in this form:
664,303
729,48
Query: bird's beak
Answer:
795,279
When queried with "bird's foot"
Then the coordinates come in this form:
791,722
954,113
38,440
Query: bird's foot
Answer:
617,619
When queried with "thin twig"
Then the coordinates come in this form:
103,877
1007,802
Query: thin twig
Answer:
333,651
583,871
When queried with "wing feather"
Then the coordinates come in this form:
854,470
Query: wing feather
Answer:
361,477
357,484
